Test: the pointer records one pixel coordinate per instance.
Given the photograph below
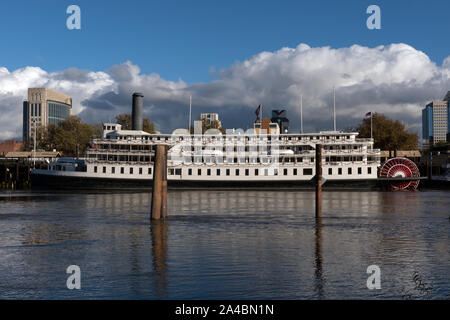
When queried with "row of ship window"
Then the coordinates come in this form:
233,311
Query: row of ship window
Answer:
295,171
122,170
236,137
230,148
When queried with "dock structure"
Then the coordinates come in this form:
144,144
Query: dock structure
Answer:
14,175
15,167
159,190
318,181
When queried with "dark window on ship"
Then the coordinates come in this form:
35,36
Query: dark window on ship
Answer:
113,170
122,170
228,172
218,172
104,169
330,171
307,172
369,170
208,172
247,172
170,172
349,170
339,170
95,169
237,172
131,170
178,172
256,172
199,172
149,170
285,172
295,172
140,170
275,172
190,172
359,170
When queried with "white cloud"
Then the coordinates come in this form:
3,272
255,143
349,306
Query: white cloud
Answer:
394,79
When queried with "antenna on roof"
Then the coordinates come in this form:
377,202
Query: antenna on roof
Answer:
334,108
301,113
190,113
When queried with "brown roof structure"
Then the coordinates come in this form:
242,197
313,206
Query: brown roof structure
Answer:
31,154
407,153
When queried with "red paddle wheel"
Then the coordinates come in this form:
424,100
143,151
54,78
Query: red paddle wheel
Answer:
400,168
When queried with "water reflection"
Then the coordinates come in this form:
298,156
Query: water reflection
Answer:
158,229
319,281
225,245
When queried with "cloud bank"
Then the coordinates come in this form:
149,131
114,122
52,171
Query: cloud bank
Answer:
395,79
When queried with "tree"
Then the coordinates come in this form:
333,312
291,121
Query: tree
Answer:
70,136
124,119
388,134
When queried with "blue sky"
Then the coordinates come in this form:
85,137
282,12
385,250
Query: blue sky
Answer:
230,56
187,39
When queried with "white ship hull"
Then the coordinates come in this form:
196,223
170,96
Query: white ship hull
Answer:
124,159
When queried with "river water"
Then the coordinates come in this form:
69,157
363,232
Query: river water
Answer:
225,245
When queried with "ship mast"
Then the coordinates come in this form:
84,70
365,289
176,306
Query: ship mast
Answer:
301,113
190,113
334,108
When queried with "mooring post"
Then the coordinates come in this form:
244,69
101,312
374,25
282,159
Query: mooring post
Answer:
158,197
164,186
318,180
157,183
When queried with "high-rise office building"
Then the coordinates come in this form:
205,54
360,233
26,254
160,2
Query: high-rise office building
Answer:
279,117
266,126
43,107
435,120
211,119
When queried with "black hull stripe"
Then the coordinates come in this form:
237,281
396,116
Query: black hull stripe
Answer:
85,183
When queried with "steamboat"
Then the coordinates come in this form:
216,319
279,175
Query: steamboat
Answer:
255,159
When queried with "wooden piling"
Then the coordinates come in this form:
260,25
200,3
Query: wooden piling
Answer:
164,186
318,180
159,193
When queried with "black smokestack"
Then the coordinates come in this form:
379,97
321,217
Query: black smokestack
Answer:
136,115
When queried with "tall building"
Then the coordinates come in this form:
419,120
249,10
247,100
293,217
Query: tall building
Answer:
435,120
280,118
447,98
265,125
211,118
43,107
